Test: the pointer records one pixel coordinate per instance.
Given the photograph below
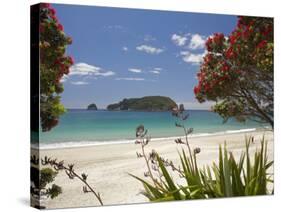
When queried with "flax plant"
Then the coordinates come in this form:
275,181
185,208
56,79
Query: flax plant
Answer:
227,178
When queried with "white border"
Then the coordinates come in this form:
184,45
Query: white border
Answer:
14,155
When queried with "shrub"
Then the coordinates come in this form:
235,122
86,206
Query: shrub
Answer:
229,178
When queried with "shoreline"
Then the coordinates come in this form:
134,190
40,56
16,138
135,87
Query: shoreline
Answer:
108,166
78,144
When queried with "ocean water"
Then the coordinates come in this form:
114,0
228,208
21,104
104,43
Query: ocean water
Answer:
83,127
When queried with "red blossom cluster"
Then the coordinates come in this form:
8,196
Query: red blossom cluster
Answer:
226,56
262,44
210,80
51,12
63,64
213,73
266,31
52,53
54,64
216,40
60,27
208,58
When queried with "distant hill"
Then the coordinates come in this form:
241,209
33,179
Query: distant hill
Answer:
147,103
92,107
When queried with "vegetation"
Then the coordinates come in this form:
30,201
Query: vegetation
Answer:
41,180
70,172
147,103
47,175
54,64
237,71
92,107
228,178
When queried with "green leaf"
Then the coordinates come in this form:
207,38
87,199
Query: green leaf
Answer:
172,186
228,187
155,191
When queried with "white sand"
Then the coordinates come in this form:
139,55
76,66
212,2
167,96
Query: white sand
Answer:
108,167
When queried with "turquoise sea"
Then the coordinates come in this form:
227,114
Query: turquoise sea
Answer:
78,127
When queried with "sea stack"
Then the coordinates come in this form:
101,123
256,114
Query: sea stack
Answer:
92,107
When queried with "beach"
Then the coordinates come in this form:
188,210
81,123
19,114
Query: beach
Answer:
108,166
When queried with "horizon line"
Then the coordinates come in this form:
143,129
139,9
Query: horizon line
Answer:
123,110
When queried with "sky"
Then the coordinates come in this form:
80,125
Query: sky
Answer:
121,53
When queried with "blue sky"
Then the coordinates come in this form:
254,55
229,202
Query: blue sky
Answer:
123,53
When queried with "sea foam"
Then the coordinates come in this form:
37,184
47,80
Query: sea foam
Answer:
73,144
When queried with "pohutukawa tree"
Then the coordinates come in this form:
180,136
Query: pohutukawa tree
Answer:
237,71
54,64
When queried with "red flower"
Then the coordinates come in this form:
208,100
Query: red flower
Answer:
57,62
238,34
196,90
238,71
223,78
209,43
232,39
52,11
248,32
251,23
235,35
266,31
225,67
218,38
54,18
60,27
71,61
207,87
62,67
229,53
262,44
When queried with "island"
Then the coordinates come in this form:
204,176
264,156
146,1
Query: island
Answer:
92,107
147,103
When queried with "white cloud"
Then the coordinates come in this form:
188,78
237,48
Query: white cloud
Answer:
149,49
64,78
83,69
135,70
125,48
105,74
179,40
189,57
158,69
79,83
130,78
197,42
155,72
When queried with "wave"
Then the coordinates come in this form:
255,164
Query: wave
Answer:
73,144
